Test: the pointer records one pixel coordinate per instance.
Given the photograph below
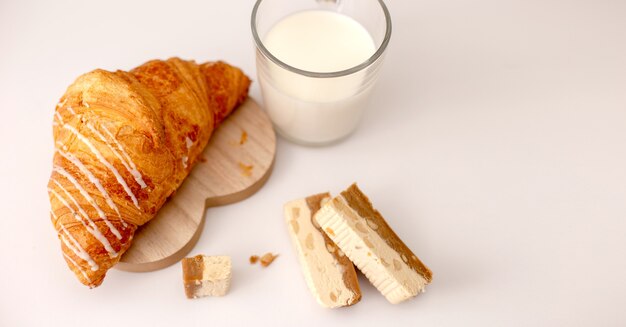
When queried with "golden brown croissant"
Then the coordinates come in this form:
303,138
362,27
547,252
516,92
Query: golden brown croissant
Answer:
124,142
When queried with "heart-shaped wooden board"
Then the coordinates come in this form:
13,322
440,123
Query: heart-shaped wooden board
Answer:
234,165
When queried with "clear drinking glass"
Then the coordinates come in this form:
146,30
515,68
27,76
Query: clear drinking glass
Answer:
316,108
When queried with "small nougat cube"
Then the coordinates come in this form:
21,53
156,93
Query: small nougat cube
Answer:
206,275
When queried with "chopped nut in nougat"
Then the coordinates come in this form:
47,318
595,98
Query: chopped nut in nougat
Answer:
206,275
329,274
362,233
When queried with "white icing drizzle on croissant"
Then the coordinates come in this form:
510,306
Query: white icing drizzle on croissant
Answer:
82,271
91,201
55,218
95,181
92,229
60,145
107,164
58,116
77,248
128,163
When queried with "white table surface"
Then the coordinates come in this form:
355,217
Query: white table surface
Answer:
494,144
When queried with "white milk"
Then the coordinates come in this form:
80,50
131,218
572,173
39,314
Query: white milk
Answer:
319,41
311,109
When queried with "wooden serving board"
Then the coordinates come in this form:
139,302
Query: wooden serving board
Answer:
235,164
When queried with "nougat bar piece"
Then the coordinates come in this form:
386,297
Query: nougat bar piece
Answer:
362,233
329,274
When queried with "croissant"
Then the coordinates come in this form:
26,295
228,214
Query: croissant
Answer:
124,142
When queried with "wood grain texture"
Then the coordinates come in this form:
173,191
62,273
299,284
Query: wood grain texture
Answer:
234,165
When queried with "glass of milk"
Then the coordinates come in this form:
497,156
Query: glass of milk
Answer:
317,62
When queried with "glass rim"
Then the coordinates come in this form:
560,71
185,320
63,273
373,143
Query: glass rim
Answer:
351,70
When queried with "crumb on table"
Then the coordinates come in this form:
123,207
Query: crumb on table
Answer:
246,170
244,137
267,259
254,259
